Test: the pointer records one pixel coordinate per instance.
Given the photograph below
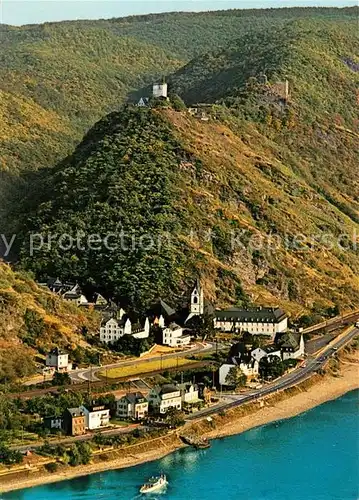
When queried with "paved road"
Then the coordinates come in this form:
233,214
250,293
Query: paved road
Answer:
312,346
302,373
86,374
310,366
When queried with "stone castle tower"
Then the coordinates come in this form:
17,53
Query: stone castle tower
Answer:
159,90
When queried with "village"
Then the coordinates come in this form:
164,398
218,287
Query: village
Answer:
256,345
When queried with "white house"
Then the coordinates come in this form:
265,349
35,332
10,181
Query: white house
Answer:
76,296
223,372
58,360
263,352
257,321
96,417
160,90
292,345
114,328
189,393
173,336
161,399
132,405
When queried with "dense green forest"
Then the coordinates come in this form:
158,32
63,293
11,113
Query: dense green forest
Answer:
120,179
253,164
58,79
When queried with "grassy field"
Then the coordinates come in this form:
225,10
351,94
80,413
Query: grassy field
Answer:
145,367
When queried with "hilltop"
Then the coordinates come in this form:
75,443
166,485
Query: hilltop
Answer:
58,79
318,129
190,185
251,163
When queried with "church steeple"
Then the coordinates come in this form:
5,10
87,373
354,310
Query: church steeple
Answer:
197,300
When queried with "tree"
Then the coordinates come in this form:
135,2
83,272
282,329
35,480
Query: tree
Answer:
80,453
61,379
271,367
51,467
177,103
9,457
85,452
236,377
175,417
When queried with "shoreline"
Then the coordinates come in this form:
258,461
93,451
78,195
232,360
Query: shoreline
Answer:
283,405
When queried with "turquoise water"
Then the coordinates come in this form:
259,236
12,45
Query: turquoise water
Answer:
310,457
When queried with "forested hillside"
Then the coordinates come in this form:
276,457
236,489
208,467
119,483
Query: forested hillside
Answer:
33,320
199,191
215,198
318,130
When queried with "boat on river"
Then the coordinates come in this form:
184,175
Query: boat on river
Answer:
154,484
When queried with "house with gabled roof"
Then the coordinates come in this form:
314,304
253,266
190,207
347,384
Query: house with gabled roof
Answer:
114,327
291,345
132,405
265,351
75,295
143,102
100,301
172,335
58,360
162,398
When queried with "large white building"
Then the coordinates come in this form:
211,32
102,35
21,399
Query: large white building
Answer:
257,321
114,328
172,336
96,417
161,399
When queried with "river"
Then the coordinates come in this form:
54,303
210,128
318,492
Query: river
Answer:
314,456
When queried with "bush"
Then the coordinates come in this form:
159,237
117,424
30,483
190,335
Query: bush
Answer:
61,379
9,457
52,467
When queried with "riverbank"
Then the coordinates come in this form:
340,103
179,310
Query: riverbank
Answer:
283,405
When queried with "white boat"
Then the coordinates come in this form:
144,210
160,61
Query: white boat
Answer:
154,484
